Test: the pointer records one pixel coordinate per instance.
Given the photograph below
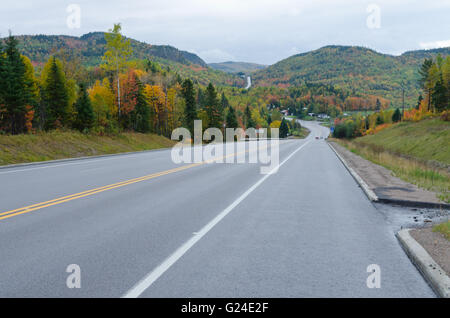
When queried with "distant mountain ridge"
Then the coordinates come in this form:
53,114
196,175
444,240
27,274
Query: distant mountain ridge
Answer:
237,67
358,70
91,47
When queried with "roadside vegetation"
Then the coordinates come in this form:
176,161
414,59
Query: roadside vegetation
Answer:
414,144
68,144
424,174
443,228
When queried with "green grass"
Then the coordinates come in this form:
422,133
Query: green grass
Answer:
68,144
303,133
427,140
418,153
443,228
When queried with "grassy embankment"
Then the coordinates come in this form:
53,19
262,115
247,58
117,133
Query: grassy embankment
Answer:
302,133
69,144
417,152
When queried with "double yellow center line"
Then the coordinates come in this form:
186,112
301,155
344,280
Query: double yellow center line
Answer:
41,205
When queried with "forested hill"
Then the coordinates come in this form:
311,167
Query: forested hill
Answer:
357,70
91,47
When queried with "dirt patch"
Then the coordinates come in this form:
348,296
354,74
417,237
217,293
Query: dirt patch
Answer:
435,244
381,181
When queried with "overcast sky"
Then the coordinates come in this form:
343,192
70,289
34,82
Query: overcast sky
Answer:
260,31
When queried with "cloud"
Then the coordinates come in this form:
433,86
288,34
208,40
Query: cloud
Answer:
260,31
435,44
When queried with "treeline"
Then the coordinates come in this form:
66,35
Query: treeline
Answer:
434,101
359,125
435,84
128,95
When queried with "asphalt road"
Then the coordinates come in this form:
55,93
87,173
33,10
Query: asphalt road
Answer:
211,230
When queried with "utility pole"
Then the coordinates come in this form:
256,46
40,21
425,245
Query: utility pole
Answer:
403,100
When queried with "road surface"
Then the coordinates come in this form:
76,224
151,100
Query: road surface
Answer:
211,230
249,82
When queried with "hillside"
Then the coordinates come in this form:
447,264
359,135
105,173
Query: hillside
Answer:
427,140
416,152
90,48
237,67
357,70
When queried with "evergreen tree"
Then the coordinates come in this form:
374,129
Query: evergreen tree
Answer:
213,108
2,87
424,71
425,78
397,116
378,105
85,115
224,101
15,88
249,123
379,120
200,98
142,110
284,129
231,120
439,96
190,112
419,101
55,96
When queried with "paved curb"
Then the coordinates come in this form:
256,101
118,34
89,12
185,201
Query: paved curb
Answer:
37,163
370,194
432,272
415,204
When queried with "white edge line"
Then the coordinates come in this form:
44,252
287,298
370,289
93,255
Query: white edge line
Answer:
151,277
369,193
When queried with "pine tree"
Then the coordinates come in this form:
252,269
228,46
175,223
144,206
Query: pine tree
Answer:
284,129
85,115
249,123
15,88
2,87
213,108
419,101
378,105
439,96
55,96
231,120
224,101
397,116
379,120
190,112
142,110
200,98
